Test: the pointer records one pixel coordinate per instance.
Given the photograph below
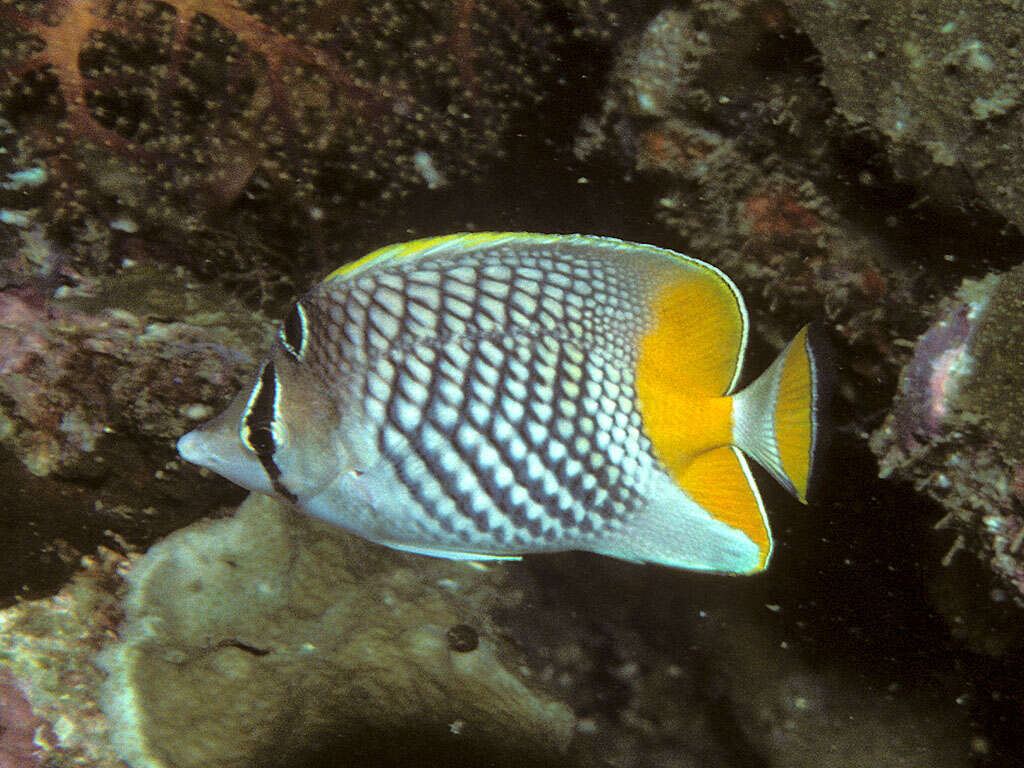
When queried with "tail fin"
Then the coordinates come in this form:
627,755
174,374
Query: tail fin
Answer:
776,419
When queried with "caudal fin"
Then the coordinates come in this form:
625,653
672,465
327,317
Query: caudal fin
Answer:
776,420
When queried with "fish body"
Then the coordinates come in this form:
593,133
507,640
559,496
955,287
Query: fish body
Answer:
488,395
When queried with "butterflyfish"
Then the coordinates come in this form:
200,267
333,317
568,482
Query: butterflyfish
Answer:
488,395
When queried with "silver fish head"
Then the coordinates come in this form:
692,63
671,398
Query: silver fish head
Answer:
278,436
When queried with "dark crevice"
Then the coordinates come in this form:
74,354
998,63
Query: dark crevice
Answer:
233,643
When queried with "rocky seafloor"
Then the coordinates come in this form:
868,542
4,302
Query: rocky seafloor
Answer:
855,166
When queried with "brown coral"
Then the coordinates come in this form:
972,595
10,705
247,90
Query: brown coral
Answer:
75,35
189,100
776,213
62,43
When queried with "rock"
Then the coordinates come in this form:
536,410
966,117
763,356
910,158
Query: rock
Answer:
268,638
955,429
940,81
797,714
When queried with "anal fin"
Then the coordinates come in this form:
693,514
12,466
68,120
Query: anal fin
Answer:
721,483
713,520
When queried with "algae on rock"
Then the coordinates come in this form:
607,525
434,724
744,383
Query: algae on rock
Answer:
998,351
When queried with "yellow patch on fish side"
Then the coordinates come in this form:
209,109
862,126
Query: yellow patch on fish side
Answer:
696,335
794,417
688,361
720,482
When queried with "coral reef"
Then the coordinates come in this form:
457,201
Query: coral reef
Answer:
956,426
172,173
18,726
98,361
98,377
171,108
273,639
739,154
46,652
942,86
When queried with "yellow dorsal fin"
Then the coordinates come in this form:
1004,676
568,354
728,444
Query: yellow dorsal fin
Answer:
697,334
720,482
689,358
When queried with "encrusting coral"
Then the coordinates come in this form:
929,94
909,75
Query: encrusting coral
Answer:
47,672
939,81
79,368
18,726
96,384
955,427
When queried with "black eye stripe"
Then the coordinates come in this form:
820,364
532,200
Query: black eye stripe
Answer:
258,427
293,332
261,414
275,478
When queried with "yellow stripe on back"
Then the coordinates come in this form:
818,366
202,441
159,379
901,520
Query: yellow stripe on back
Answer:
688,361
719,481
794,415
463,241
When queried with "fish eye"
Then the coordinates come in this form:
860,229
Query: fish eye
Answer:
260,413
293,332
261,441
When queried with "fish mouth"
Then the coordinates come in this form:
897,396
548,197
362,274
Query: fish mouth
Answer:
192,448
195,447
